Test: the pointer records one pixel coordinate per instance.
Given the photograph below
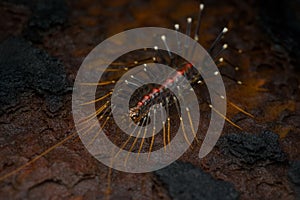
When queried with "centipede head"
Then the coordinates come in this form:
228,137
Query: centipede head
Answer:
134,114
137,117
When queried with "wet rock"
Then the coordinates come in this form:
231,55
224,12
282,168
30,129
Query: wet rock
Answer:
24,68
250,149
294,176
185,181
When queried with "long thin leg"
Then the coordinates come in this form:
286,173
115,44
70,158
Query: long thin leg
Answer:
219,37
133,144
126,142
153,133
227,119
164,127
99,99
191,124
201,7
145,132
168,121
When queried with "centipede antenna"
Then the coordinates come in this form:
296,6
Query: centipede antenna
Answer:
224,47
219,37
201,6
164,39
226,118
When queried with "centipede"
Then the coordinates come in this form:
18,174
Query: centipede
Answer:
152,97
153,101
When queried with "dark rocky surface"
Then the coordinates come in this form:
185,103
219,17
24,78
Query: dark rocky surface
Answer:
185,181
294,176
25,69
253,148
